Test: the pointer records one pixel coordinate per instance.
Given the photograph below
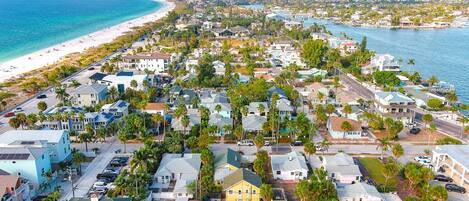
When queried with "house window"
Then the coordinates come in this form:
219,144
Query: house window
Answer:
230,192
278,172
247,191
253,192
239,192
292,173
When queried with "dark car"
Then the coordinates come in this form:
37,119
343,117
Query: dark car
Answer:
297,143
455,188
109,176
42,96
9,114
91,68
443,178
414,130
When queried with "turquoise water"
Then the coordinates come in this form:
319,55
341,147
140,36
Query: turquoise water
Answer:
440,52
30,25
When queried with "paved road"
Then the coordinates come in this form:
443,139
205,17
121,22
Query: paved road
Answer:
86,181
446,127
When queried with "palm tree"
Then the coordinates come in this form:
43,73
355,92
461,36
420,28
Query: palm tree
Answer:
113,93
61,94
185,122
77,159
123,136
330,109
218,108
267,192
390,170
432,80
156,119
347,110
383,144
309,148
259,141
324,145
427,119
101,133
261,109
302,190
397,150
85,138
14,123
432,130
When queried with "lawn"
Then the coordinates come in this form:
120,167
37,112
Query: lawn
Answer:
374,167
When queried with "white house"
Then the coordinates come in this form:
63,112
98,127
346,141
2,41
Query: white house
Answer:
334,126
123,80
175,173
454,160
219,67
395,105
382,62
156,61
358,191
341,168
291,166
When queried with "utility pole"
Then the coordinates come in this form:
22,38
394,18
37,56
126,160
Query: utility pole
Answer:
71,181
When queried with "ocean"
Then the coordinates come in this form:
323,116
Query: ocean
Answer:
30,25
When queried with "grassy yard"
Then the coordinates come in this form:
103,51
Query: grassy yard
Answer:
375,168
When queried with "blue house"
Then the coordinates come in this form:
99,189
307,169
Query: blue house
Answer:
29,163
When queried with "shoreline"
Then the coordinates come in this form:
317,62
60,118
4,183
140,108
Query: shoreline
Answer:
462,23
52,54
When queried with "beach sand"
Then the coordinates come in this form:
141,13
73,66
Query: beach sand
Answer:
50,55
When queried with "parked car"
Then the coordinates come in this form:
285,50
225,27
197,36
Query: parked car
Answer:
267,143
297,143
414,130
110,176
18,109
42,96
99,185
443,178
319,147
455,188
9,114
245,143
422,159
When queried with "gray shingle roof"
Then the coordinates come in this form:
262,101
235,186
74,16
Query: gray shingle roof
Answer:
91,89
229,156
240,175
393,97
253,122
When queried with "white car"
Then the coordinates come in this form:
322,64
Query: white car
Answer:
245,143
423,159
99,185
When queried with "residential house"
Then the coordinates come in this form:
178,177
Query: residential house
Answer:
290,25
240,31
334,126
186,97
123,80
356,111
119,108
220,122
194,119
358,191
382,62
253,123
309,73
219,67
223,33
13,188
422,97
75,119
242,184
155,108
453,159
283,54
225,163
291,166
341,168
89,95
29,163
285,108
175,173
191,65
55,142
395,105
156,61
213,101
256,108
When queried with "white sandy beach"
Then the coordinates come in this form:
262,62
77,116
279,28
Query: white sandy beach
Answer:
54,53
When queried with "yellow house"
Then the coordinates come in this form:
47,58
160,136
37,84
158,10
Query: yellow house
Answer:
242,185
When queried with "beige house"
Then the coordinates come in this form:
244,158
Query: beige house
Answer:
454,160
90,95
395,105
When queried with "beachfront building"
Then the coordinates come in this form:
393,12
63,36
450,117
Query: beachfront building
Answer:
336,130
55,142
175,173
89,95
453,159
242,184
27,162
395,105
13,188
290,167
156,61
341,168
382,62
123,80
